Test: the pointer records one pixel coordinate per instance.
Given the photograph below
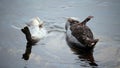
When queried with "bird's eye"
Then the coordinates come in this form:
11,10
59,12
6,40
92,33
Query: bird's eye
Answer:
40,26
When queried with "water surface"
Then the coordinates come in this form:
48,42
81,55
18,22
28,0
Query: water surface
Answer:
53,52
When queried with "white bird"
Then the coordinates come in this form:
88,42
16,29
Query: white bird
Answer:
34,30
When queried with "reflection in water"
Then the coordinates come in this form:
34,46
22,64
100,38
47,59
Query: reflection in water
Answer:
30,43
27,53
84,54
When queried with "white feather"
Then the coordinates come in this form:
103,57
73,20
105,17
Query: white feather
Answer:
36,32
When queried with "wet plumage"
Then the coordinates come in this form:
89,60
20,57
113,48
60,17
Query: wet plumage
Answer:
79,33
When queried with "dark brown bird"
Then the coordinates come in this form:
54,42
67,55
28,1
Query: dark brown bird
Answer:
79,34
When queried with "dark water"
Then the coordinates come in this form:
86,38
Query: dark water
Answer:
53,52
